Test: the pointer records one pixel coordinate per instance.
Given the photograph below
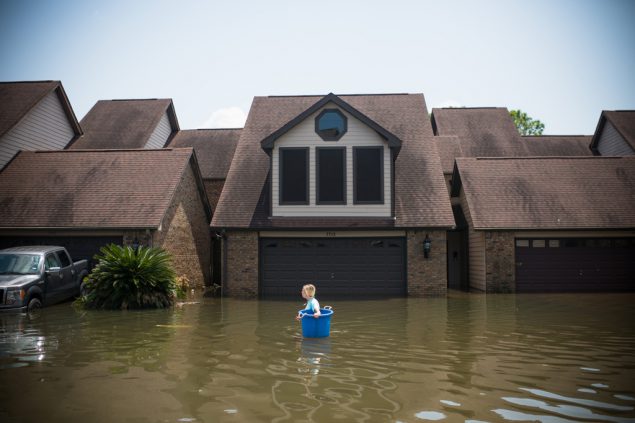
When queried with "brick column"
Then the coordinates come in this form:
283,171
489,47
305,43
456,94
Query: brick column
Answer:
500,262
240,258
427,277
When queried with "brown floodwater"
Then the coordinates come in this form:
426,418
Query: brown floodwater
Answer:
467,358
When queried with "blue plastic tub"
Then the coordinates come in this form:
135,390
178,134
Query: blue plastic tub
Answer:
316,328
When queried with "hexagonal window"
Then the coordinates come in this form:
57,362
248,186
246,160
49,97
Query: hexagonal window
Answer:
331,124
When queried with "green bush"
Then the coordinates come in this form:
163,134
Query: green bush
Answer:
129,279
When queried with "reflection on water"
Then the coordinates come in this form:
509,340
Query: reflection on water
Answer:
469,358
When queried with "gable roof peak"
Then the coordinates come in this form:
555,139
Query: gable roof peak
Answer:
392,139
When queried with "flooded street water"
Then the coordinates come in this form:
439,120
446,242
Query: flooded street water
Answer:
548,358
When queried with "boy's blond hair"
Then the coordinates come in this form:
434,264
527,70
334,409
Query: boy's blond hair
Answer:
309,289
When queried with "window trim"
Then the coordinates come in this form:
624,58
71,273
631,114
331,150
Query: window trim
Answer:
317,176
381,174
327,138
281,176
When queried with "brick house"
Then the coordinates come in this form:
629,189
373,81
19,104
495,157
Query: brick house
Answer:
35,115
84,199
548,224
342,191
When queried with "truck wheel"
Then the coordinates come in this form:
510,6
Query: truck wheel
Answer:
34,304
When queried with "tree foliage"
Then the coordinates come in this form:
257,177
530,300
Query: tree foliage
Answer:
126,278
525,124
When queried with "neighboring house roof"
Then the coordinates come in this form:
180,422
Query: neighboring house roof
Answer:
622,120
482,131
92,188
420,195
123,124
214,149
490,132
18,98
558,145
548,192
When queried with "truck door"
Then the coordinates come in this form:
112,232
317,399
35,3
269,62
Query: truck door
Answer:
53,277
68,275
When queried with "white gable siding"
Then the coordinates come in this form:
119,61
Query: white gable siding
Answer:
45,127
358,135
161,133
611,142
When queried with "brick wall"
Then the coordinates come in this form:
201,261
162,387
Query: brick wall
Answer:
241,271
427,276
500,262
213,188
185,233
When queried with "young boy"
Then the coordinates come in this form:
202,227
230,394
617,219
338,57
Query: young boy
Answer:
308,293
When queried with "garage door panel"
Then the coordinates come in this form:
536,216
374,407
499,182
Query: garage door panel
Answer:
339,267
591,266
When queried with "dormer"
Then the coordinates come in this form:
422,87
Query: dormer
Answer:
125,124
332,160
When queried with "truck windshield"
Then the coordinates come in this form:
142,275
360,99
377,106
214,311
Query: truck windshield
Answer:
19,264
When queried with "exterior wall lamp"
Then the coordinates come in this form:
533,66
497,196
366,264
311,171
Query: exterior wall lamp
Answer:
427,244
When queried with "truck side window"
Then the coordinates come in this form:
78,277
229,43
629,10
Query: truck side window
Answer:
64,258
51,261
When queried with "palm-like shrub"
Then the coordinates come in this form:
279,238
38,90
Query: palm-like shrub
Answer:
129,279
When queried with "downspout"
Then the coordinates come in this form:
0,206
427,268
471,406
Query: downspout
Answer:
224,240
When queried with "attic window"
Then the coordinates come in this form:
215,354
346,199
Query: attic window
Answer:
331,125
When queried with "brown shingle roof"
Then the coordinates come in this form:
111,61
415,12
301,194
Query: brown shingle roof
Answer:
420,195
448,147
483,132
558,145
548,193
490,132
622,120
123,124
18,98
214,149
90,189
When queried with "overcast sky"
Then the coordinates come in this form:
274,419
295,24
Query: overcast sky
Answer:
561,61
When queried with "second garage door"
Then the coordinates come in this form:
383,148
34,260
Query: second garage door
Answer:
351,267
575,265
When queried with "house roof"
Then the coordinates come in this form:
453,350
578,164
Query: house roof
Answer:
548,192
483,131
448,147
490,132
18,98
214,149
123,124
558,145
92,188
622,120
420,195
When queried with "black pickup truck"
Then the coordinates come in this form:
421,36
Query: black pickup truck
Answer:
31,277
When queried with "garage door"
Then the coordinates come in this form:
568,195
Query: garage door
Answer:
79,247
575,265
352,267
